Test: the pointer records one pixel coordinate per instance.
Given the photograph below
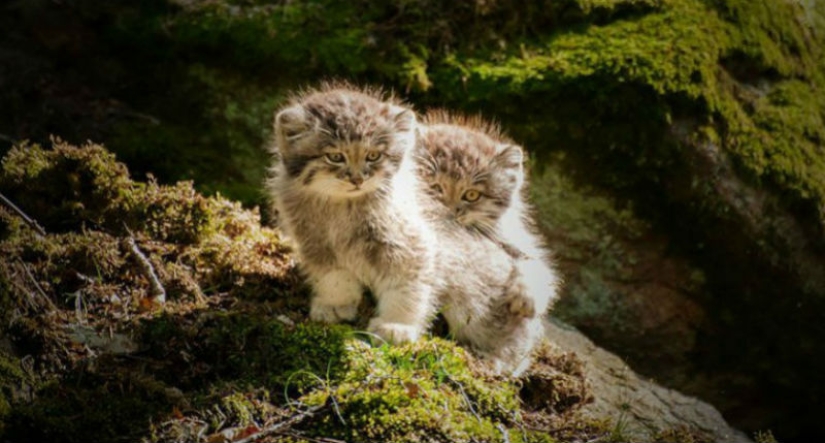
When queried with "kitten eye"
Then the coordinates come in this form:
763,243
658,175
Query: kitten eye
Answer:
335,157
471,195
437,188
373,156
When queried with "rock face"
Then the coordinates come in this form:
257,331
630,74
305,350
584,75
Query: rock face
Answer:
644,407
624,285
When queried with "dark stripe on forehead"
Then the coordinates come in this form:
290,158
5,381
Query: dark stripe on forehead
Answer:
354,118
296,163
383,138
331,122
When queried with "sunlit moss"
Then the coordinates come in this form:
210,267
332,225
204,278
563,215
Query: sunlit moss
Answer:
658,58
84,190
420,392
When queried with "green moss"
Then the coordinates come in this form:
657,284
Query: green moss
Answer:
765,437
63,184
427,391
115,405
251,348
197,244
666,50
67,187
418,392
771,34
782,137
686,54
277,353
12,378
240,57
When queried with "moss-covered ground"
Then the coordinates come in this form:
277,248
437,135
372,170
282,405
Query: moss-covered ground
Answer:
90,353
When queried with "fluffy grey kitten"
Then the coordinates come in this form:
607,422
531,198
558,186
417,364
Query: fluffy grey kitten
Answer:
476,174
344,188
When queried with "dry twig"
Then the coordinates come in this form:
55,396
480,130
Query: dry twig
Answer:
30,221
39,288
282,425
156,291
504,434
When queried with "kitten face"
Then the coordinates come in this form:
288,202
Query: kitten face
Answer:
472,174
342,143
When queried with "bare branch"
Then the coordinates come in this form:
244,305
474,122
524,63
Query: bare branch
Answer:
300,436
78,306
156,291
504,434
282,425
36,284
31,222
466,397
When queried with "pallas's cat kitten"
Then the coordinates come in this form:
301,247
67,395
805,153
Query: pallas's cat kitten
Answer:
343,186
477,174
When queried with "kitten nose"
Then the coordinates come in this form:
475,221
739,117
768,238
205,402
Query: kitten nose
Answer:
357,180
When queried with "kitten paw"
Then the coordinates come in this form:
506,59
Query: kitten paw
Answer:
521,306
332,313
395,333
504,367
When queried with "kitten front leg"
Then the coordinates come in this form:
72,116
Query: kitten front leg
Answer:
511,352
520,305
402,312
336,297
517,298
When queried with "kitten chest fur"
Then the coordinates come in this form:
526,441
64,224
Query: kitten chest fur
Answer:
376,236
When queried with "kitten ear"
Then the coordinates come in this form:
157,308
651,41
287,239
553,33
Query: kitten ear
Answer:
403,120
510,156
292,122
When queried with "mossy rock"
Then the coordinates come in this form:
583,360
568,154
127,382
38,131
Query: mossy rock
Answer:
69,187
